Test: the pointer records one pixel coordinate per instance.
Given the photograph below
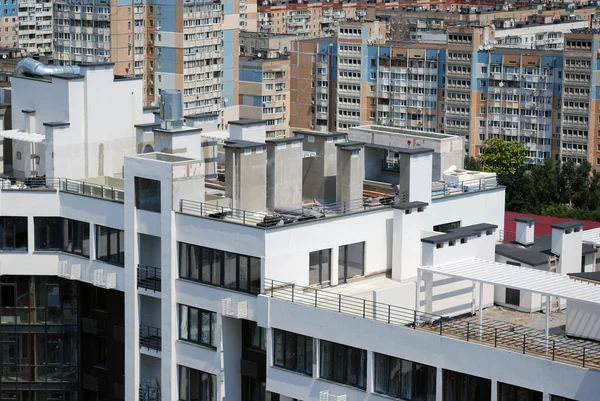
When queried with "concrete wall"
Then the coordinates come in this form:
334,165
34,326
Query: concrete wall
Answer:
319,172
284,175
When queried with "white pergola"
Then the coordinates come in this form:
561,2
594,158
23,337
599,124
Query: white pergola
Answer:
591,237
520,278
22,136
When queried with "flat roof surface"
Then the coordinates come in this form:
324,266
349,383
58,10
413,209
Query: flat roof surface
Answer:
164,157
536,254
520,278
404,131
247,121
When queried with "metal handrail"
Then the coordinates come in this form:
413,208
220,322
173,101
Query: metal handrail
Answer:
390,165
149,393
149,278
515,338
70,186
150,337
444,189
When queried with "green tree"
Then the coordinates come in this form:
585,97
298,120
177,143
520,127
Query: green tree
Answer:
502,157
472,163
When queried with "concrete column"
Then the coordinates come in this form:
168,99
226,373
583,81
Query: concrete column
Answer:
169,325
132,350
231,354
316,357
370,371
439,388
335,255
545,396
494,390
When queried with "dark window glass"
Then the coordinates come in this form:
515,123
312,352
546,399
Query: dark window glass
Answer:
13,232
446,227
147,194
293,351
258,337
351,261
513,297
47,233
197,325
319,267
76,237
404,379
507,392
110,244
195,385
216,267
462,387
343,364
559,398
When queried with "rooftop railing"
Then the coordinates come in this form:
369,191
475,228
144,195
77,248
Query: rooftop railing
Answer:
67,185
445,189
491,333
287,217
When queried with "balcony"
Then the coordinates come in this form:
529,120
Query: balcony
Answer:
149,393
149,278
150,337
485,332
70,186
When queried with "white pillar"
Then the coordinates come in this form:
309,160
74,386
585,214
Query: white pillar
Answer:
547,320
480,310
438,385
418,290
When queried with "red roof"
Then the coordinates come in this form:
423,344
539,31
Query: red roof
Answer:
542,223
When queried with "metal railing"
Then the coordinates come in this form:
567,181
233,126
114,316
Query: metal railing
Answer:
148,393
444,189
491,333
67,185
291,216
149,278
390,165
150,337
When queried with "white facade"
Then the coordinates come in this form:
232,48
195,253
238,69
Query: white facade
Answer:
300,276
71,138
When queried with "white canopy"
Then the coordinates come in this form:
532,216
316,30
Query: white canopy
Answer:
591,237
22,136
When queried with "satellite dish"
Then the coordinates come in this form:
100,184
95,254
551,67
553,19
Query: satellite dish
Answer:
4,56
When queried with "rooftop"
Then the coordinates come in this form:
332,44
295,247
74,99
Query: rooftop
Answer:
404,131
542,223
536,254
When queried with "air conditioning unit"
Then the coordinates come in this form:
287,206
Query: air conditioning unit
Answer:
237,310
71,272
325,396
108,281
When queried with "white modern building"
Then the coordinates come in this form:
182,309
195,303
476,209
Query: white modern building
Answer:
261,290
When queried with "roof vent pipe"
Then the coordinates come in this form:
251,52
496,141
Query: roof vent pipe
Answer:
31,67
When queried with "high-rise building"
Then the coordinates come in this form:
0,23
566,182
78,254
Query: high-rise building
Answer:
35,34
81,32
8,24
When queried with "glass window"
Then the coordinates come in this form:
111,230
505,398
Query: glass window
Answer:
216,267
463,387
47,233
258,337
197,326
293,351
351,261
404,379
147,194
13,233
76,237
319,268
343,364
110,244
507,392
446,227
559,398
195,385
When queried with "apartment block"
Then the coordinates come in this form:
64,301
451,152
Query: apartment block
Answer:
81,32
35,26
8,24
264,85
310,20
197,48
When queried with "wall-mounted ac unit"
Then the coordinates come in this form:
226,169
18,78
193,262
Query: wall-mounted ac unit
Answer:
237,310
325,396
71,272
108,281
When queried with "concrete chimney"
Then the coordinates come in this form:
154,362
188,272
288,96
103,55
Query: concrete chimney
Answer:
525,230
284,173
245,175
29,119
319,164
567,244
248,130
350,171
415,174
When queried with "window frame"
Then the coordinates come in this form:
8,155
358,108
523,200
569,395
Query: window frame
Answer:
339,355
308,352
16,222
343,261
120,255
212,329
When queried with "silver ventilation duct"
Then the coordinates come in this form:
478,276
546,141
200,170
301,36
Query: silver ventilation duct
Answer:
29,66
